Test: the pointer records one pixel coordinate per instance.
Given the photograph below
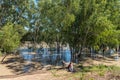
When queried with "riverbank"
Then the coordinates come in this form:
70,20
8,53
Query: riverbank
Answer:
12,69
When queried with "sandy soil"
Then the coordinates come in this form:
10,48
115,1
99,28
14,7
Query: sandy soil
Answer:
6,73
40,75
4,70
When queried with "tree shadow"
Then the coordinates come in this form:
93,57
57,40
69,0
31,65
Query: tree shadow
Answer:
20,66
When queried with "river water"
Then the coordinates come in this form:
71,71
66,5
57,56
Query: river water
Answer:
45,56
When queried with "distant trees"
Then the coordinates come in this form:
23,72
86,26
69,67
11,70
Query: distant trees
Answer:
13,11
80,23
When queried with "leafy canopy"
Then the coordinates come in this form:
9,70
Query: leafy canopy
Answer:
10,39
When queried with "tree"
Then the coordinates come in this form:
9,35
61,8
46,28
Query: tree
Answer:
93,19
80,23
10,38
56,16
13,11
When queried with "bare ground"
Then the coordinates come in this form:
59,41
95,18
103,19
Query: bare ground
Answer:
12,70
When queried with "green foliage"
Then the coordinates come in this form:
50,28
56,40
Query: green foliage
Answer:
101,73
80,23
11,38
100,69
1,34
0,53
80,75
115,70
96,48
13,11
96,70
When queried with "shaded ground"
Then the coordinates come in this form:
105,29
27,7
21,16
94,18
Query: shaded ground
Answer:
15,65
14,69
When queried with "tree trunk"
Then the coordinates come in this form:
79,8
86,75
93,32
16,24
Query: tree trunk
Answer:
58,47
3,58
80,53
71,50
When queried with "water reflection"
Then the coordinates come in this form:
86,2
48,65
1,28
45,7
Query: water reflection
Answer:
46,56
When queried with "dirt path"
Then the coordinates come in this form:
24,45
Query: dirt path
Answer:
50,75
43,76
6,73
4,70
47,75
